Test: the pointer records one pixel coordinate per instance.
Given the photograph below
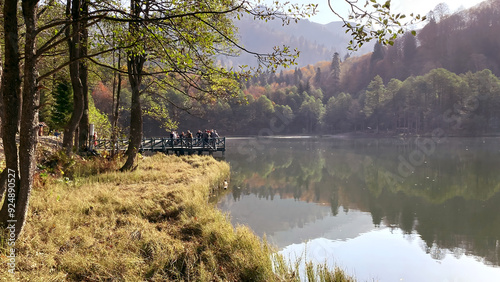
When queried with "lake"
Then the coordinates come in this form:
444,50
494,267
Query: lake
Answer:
425,209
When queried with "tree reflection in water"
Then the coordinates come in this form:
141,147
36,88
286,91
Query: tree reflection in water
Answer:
451,200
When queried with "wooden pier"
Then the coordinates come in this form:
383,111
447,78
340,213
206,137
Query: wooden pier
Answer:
169,146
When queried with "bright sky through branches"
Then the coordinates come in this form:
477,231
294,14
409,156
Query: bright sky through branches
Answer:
407,7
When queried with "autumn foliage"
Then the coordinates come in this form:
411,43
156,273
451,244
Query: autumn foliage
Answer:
103,98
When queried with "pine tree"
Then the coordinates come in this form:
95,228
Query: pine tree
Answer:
378,52
63,105
317,77
46,107
333,84
409,48
335,65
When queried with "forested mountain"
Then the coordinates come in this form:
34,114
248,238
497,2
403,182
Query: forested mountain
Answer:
445,78
464,41
316,42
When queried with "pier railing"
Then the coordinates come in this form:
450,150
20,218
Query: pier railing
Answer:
167,144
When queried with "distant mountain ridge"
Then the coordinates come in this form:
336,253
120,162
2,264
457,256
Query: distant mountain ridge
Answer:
316,42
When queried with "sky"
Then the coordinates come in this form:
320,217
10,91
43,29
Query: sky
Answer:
421,7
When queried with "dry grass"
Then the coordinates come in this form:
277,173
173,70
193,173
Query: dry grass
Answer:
152,224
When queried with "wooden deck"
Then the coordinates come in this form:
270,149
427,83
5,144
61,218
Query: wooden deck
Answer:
168,145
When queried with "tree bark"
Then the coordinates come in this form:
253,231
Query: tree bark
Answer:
114,133
135,64
10,91
1,114
74,46
3,186
29,118
84,121
83,126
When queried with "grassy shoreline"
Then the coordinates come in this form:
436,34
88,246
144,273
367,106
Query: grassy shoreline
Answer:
152,224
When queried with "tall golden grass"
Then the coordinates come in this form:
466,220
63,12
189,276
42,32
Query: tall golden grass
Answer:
151,224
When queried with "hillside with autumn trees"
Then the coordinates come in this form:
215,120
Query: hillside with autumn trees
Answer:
445,78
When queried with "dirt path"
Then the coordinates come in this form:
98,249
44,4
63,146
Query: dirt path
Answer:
51,143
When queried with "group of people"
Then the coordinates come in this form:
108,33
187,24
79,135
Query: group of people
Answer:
205,136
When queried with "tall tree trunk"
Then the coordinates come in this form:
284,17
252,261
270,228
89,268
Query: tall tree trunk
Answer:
116,103
10,91
29,119
1,111
73,10
135,64
3,175
84,121
83,126
29,110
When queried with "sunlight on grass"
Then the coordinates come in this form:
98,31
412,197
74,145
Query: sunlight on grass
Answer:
154,223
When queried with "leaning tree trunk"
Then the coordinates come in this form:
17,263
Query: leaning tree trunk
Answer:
10,91
74,44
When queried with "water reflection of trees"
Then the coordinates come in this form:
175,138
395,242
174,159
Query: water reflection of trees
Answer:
452,200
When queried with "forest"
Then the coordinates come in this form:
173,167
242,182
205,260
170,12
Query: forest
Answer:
444,78
142,68
55,52
151,67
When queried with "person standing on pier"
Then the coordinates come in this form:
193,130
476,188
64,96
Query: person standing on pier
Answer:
189,138
215,135
198,137
182,137
205,136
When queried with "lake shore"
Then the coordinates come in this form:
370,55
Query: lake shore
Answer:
154,223
362,134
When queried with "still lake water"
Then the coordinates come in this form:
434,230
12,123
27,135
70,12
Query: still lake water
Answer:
381,209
